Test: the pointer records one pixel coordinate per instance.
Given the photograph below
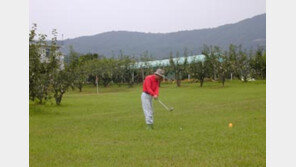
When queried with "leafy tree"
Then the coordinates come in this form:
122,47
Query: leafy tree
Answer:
73,58
88,57
185,65
59,77
212,53
258,64
62,80
117,73
223,67
199,70
232,54
128,70
40,71
90,67
243,65
104,71
178,67
81,75
77,68
145,68
54,55
34,64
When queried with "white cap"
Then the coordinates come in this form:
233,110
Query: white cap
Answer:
160,72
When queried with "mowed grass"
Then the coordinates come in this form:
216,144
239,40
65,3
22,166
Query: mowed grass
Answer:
108,129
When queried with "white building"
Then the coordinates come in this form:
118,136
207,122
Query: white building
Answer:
166,62
45,53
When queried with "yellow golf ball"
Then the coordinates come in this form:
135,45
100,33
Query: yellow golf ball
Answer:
230,125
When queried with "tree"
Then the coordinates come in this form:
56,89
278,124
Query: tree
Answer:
232,56
178,67
80,76
90,67
40,71
185,65
243,65
77,68
88,57
61,82
128,70
73,58
34,64
212,53
145,68
61,79
223,66
258,64
206,67
104,71
199,70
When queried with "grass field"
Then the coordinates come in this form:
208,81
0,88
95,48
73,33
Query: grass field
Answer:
108,129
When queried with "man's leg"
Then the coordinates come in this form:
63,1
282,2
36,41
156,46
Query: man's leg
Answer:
147,109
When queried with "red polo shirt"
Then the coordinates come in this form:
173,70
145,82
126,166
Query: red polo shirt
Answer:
151,85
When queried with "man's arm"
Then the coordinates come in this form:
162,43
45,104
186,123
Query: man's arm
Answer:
156,90
148,86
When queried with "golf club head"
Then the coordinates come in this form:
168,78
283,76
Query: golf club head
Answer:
172,108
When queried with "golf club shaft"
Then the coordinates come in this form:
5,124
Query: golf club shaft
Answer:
163,105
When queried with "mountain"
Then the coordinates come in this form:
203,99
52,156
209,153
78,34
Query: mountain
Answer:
250,33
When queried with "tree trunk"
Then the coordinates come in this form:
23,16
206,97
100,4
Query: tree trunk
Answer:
80,85
40,101
59,99
178,82
40,98
201,82
133,77
245,78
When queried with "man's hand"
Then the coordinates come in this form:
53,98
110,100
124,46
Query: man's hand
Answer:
155,97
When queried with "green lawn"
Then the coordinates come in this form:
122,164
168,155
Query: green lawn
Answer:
108,129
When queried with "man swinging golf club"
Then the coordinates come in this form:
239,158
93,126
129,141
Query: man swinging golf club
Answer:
150,91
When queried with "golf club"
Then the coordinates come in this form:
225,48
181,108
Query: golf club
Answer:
166,107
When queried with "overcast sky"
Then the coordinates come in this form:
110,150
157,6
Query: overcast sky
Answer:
75,18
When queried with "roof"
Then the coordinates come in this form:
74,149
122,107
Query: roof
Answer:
166,62
48,45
